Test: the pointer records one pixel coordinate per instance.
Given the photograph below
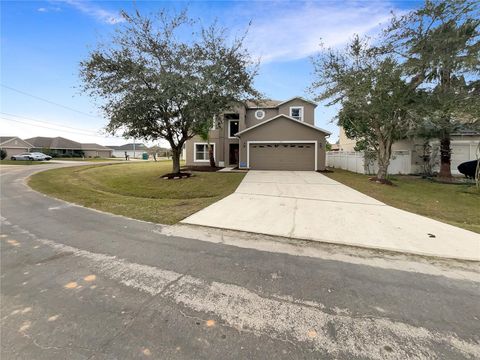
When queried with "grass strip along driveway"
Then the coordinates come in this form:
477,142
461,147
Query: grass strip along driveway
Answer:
458,205
136,190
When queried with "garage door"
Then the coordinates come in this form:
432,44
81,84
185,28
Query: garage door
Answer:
282,156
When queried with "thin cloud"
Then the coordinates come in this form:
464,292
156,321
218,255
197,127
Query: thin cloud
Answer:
49,9
95,11
283,32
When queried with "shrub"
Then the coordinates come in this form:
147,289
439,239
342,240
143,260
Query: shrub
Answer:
3,154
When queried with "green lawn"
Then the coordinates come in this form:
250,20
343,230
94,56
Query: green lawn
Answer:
458,205
136,189
21,162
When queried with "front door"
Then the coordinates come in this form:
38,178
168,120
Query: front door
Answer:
233,158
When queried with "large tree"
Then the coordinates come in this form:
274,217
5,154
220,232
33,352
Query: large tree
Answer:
440,50
376,102
165,77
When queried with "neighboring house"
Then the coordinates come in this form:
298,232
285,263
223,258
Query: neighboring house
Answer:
345,143
134,150
13,145
96,150
264,135
407,155
59,146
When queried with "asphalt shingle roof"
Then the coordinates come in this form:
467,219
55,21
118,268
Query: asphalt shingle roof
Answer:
266,103
54,143
6,138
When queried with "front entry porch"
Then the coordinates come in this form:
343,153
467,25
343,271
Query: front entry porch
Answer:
233,150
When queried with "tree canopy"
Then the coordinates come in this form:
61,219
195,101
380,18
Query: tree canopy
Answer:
376,102
164,77
439,47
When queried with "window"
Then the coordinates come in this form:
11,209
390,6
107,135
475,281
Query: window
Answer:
259,114
232,128
296,112
201,151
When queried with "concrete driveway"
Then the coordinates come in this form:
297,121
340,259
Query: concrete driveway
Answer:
309,205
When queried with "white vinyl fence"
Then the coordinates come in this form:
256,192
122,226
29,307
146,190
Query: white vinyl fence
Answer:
461,151
400,163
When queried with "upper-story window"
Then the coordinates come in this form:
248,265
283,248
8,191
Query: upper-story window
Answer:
232,120
296,112
260,114
232,128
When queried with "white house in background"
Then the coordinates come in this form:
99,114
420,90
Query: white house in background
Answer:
134,150
406,154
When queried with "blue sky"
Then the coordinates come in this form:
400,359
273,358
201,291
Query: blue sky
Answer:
42,43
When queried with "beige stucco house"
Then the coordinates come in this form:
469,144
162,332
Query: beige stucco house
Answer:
13,145
62,146
264,135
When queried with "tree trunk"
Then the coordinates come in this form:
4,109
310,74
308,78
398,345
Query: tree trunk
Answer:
445,157
383,157
176,160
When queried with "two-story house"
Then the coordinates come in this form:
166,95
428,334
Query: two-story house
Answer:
265,135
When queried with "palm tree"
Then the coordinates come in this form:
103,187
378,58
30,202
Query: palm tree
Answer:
204,134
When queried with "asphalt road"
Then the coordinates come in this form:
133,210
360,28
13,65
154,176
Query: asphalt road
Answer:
80,284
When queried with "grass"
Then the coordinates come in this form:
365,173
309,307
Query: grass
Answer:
136,189
21,162
458,205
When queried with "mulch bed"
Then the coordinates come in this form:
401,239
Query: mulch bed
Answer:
326,171
201,168
176,176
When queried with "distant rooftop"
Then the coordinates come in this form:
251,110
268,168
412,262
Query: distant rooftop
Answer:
94,146
138,146
40,142
54,143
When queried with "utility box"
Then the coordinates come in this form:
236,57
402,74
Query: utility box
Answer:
145,156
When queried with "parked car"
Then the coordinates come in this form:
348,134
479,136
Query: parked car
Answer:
38,156
23,156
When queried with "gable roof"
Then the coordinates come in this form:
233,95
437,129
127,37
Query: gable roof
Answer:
6,140
286,117
298,98
272,104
